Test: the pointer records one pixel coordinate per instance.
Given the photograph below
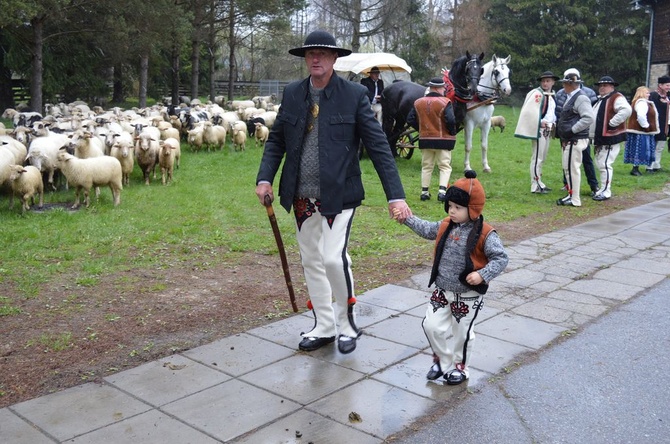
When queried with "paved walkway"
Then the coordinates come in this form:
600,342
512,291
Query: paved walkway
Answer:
256,388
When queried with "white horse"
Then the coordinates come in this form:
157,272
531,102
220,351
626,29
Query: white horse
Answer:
493,83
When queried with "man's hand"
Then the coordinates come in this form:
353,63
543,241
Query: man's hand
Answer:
263,189
399,211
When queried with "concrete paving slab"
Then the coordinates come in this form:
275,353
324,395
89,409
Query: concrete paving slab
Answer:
15,430
307,427
166,380
303,378
521,277
370,355
605,289
384,409
520,330
151,427
410,375
650,266
402,329
78,410
238,354
394,297
492,355
624,275
285,332
230,409
369,314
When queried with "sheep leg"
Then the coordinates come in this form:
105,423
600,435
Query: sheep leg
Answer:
87,200
76,198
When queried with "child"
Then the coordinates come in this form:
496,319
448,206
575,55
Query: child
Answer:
468,254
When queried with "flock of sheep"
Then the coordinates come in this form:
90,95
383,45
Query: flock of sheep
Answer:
93,148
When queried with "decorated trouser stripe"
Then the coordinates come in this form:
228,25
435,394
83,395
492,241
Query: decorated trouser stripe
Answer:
605,156
455,312
327,267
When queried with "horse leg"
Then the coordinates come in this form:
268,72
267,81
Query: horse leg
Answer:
469,128
486,126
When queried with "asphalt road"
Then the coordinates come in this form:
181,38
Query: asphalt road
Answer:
608,383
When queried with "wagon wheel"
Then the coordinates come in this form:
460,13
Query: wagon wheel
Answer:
405,145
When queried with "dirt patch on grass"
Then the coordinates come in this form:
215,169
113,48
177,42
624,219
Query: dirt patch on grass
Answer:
71,334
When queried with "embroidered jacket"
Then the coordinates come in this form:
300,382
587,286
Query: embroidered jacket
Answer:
611,111
433,116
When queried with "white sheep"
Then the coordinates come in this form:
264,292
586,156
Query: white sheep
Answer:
498,121
12,152
213,135
235,105
239,138
123,151
21,118
87,173
195,138
170,132
26,181
146,153
86,144
43,150
261,134
23,134
166,158
269,117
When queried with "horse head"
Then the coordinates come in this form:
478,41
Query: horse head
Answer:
501,74
464,75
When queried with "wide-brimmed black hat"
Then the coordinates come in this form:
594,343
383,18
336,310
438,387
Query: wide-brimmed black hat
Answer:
606,80
319,39
436,81
374,69
663,79
548,75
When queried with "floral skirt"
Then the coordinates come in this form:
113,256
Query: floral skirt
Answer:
640,149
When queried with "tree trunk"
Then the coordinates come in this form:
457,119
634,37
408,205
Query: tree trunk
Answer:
118,95
36,76
198,15
174,91
356,25
6,92
231,47
144,75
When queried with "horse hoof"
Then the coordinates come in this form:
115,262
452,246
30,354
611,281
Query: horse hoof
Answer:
487,170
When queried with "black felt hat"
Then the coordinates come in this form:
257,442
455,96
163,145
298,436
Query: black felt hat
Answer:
436,81
606,80
548,75
319,39
663,79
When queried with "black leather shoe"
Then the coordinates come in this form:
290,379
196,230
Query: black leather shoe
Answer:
442,197
546,189
600,197
311,344
346,346
566,202
434,372
455,377
425,196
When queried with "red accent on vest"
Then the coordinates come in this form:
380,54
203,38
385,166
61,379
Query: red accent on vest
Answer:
478,257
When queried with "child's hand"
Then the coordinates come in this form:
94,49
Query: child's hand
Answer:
399,211
474,278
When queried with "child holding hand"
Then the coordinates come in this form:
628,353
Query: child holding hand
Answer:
468,255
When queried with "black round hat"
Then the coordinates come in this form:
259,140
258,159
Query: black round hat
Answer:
548,75
606,80
319,39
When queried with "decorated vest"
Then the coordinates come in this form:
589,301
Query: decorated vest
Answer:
633,126
433,131
569,116
476,259
606,135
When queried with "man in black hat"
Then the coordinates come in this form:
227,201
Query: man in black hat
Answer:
374,84
660,99
608,131
536,121
573,129
316,134
433,117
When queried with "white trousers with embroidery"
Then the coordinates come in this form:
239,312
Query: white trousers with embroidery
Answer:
327,267
572,162
660,147
605,156
448,311
540,148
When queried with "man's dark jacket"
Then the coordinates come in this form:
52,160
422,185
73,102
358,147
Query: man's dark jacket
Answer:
345,117
370,85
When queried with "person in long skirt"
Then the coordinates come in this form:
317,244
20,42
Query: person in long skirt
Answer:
641,127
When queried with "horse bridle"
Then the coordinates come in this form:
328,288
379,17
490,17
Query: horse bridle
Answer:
463,91
494,80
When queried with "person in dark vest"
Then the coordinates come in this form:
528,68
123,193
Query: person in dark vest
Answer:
641,127
468,254
608,131
433,117
573,129
587,161
374,84
662,103
321,120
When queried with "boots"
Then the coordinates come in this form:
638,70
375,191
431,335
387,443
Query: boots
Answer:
635,171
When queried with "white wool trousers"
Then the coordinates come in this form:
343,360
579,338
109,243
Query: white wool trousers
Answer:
455,312
540,149
605,157
430,158
660,146
327,268
572,162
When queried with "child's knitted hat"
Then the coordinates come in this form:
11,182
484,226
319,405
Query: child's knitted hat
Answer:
467,192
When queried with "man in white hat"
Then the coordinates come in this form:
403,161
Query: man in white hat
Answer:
608,131
317,132
587,161
573,129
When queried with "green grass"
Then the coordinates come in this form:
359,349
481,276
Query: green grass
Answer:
209,216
